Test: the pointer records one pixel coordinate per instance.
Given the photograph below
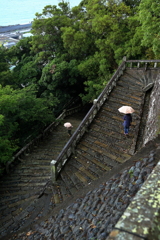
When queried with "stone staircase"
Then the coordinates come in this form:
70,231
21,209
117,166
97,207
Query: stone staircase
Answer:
22,188
27,193
104,146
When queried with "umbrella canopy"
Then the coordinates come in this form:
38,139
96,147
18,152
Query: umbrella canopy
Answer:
126,109
67,124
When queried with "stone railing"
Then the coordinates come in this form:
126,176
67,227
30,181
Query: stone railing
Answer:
35,142
69,148
143,63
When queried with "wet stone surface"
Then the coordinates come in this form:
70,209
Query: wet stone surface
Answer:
140,220
94,215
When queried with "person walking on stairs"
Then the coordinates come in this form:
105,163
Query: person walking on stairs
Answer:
127,123
127,110
69,128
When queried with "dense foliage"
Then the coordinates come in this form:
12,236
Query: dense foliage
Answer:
72,52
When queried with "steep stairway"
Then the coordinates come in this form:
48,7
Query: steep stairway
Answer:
27,194
22,189
104,146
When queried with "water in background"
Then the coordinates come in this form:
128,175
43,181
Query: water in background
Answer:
23,11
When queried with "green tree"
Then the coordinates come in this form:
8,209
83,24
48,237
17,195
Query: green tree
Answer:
61,79
150,26
46,28
22,114
5,73
26,69
132,3
100,40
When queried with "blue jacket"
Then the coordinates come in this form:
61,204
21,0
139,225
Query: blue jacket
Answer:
127,120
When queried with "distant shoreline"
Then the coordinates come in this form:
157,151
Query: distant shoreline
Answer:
10,28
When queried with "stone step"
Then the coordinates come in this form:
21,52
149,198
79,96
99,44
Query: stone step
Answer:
108,130
127,98
27,187
95,166
109,156
132,77
118,119
115,119
25,182
129,91
26,174
128,88
64,190
90,156
113,107
23,194
120,145
90,165
127,94
106,127
68,183
77,177
33,172
56,197
16,212
117,103
131,80
36,162
21,202
117,144
145,77
27,215
89,175
133,91
30,167
16,201
25,177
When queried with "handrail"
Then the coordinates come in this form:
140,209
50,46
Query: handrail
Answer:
142,63
153,60
69,148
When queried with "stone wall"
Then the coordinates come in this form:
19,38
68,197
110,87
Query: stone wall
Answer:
153,119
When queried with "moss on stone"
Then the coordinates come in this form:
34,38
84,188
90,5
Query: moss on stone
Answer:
154,232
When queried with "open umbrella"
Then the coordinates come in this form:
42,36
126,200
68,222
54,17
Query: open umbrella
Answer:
126,109
67,124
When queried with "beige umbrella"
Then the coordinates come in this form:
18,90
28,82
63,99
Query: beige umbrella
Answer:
126,109
67,124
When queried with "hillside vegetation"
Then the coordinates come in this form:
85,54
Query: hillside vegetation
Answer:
73,52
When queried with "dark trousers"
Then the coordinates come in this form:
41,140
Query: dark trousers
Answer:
69,132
